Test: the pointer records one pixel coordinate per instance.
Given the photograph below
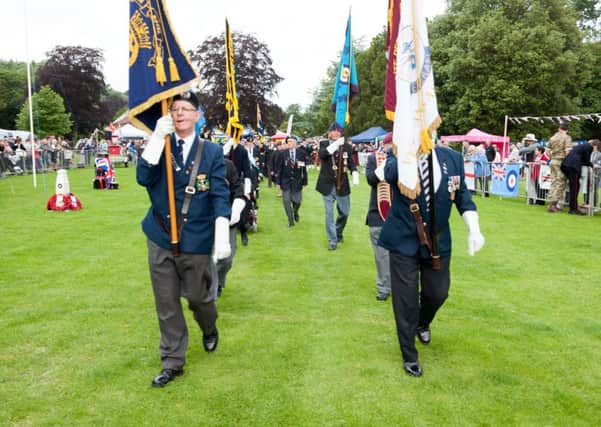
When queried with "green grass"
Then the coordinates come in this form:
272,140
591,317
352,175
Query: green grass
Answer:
303,340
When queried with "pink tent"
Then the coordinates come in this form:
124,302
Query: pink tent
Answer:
477,136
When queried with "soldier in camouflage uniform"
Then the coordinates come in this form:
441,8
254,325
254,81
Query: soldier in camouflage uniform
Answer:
558,147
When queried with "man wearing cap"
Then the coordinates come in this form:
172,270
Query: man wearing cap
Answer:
333,184
528,153
292,177
379,203
202,204
558,147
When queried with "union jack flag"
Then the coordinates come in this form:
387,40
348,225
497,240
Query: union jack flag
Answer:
498,172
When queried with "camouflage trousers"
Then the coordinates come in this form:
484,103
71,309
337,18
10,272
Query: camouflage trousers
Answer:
558,182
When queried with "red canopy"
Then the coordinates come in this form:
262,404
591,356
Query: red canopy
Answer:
278,135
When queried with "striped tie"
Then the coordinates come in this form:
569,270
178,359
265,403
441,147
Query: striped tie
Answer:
424,174
179,152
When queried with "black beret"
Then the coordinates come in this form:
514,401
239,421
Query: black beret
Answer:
563,125
187,96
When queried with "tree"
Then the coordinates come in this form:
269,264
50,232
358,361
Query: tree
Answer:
113,104
13,90
510,57
75,73
255,79
589,17
49,115
591,93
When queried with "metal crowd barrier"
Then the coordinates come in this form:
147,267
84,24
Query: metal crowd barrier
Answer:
535,183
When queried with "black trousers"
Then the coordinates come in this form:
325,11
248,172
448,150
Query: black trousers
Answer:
573,176
412,305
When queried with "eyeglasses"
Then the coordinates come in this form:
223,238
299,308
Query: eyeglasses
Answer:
182,109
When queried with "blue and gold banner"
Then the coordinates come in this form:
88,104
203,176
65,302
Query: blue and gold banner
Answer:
158,67
347,83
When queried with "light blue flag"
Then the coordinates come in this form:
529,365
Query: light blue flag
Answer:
347,83
201,121
505,179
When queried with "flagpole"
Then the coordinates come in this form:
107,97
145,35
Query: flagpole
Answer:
347,118
29,95
170,189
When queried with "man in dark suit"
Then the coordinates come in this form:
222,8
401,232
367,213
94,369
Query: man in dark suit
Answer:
571,166
411,260
292,177
336,160
239,156
203,230
379,204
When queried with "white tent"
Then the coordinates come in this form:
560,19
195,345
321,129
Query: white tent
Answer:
129,131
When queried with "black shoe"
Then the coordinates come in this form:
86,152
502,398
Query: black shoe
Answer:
340,239
296,217
413,369
165,376
209,342
423,334
382,297
576,212
291,225
332,247
244,239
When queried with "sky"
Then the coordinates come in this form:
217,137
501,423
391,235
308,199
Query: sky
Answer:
303,36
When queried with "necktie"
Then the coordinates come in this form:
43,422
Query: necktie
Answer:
424,174
292,155
179,151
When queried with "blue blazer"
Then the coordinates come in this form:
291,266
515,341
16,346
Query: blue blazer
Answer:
399,233
197,235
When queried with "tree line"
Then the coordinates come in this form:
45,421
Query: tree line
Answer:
490,59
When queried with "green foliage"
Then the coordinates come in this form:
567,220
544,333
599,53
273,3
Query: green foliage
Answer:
49,115
255,79
591,93
513,57
75,72
303,342
13,90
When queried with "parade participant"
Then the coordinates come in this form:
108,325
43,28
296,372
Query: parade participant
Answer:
411,261
379,204
333,184
202,203
238,203
558,147
239,156
571,166
292,177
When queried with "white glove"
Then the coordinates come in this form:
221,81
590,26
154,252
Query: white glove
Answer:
475,239
334,145
247,186
355,175
237,207
221,246
379,171
228,146
154,148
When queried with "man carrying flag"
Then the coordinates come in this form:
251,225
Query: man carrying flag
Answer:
188,217
336,156
426,181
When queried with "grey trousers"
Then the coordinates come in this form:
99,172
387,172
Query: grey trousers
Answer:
188,276
225,265
292,201
382,262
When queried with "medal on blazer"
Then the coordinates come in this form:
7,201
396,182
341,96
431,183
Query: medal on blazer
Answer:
454,182
202,182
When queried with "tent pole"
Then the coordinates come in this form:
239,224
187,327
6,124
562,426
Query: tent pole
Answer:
505,138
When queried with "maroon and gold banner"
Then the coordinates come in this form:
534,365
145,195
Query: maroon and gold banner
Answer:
392,31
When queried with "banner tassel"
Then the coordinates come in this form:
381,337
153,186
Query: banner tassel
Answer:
173,70
160,71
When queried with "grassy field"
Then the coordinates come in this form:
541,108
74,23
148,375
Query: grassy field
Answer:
303,339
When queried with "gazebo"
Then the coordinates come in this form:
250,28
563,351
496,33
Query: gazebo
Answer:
477,136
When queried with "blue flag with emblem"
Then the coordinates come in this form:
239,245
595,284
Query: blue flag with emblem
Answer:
347,83
505,179
158,67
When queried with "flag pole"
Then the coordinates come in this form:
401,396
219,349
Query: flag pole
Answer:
170,189
29,96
